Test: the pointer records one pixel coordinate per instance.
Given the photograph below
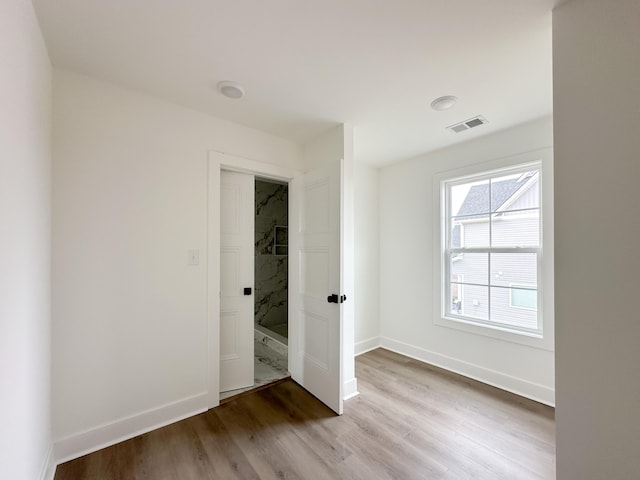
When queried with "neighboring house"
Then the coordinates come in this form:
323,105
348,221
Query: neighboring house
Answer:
514,209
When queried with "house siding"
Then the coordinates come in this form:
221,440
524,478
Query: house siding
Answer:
507,230
529,199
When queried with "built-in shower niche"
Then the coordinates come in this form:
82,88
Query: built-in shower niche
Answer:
280,240
271,260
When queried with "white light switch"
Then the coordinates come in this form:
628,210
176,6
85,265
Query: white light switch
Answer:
194,257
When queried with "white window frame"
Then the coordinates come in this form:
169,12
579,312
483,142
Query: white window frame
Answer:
543,337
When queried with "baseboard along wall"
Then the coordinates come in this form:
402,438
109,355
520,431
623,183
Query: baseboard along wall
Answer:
77,445
49,464
524,388
367,345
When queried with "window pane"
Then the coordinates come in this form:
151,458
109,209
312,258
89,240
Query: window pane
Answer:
456,292
470,232
475,302
469,198
503,312
496,216
514,268
514,192
516,229
470,268
524,298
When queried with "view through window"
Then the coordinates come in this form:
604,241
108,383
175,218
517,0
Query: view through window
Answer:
492,248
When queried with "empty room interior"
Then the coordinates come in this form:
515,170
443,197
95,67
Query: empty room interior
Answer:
319,239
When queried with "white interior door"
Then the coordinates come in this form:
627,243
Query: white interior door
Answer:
315,338
237,220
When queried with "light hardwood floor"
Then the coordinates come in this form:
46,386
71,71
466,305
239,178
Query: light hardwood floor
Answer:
410,421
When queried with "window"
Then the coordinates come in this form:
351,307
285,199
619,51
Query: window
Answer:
492,248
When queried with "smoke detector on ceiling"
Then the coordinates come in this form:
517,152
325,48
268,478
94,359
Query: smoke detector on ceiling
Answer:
468,124
231,89
444,103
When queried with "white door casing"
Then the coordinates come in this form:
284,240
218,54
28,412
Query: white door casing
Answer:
315,273
237,220
219,162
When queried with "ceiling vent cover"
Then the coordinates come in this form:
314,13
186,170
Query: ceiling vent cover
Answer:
468,124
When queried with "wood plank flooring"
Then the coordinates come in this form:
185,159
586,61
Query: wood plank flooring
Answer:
410,421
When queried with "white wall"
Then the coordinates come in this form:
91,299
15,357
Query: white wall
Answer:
406,266
332,145
367,298
129,201
597,170
25,235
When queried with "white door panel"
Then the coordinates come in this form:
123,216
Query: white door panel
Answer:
229,320
237,193
315,357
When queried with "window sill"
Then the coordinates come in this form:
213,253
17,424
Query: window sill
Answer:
531,339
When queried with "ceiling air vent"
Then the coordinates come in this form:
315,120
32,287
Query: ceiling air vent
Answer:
467,124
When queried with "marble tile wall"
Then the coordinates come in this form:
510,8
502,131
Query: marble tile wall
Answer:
271,269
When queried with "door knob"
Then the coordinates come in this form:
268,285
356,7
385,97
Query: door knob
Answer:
247,290
333,298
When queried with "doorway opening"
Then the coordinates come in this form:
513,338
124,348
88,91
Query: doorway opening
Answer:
271,259
271,272
271,322
320,330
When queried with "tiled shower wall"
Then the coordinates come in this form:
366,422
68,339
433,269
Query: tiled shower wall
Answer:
271,263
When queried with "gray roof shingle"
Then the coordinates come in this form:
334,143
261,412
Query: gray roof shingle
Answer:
477,200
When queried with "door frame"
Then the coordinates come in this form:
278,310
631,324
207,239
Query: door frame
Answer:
218,161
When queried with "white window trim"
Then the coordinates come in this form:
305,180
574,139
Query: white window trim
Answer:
544,339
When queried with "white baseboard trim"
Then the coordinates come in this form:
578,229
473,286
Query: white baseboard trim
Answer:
521,387
350,389
367,345
77,445
48,470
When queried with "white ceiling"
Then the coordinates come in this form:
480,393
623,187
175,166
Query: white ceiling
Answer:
310,64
